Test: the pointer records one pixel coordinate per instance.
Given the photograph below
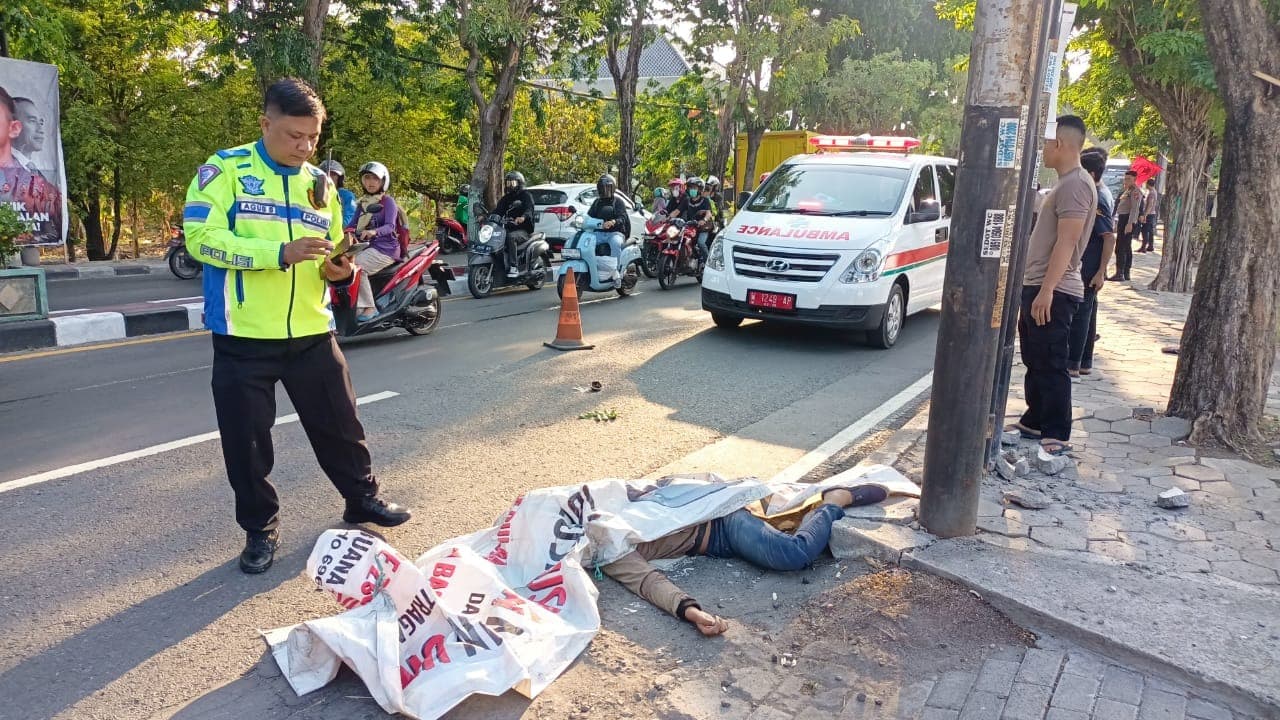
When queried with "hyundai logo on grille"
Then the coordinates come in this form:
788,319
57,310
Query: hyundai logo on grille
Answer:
779,266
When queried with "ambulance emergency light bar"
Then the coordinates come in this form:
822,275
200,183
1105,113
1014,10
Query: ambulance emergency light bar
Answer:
884,143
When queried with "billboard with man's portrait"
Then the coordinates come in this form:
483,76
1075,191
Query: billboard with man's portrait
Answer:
32,176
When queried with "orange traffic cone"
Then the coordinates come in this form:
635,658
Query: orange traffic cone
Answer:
569,329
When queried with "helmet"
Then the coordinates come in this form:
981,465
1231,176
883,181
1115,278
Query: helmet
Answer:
676,183
657,192
333,167
379,171
713,182
514,177
606,181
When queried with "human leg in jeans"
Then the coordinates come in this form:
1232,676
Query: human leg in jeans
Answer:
1046,351
1086,359
1082,332
743,535
1149,234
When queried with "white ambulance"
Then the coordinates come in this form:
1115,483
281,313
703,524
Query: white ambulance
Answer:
853,237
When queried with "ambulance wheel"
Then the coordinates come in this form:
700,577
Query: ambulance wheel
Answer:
895,312
726,322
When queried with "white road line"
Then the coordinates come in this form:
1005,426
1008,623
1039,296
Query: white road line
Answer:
64,312
842,439
153,450
174,300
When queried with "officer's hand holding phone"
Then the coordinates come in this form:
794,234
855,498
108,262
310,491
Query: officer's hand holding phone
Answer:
306,248
339,268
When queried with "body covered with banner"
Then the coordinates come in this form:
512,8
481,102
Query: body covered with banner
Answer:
508,607
32,178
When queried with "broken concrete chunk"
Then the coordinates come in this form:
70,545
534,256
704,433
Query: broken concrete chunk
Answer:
1173,499
1030,499
1005,469
1022,467
1050,464
1010,438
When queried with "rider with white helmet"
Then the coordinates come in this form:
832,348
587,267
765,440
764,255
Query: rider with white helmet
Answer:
376,221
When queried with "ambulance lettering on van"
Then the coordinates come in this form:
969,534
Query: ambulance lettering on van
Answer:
854,237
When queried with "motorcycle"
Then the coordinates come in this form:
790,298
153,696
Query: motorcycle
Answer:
487,259
607,271
406,293
451,234
680,254
180,261
651,244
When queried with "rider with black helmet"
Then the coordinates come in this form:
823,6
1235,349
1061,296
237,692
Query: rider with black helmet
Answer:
695,207
610,208
516,206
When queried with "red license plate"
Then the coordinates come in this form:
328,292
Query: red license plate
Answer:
770,301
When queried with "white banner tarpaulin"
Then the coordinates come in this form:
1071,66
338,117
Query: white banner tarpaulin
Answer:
32,178
508,607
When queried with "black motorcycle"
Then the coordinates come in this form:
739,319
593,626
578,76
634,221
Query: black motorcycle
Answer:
180,261
487,259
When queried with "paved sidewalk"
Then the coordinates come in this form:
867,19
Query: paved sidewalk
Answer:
1192,591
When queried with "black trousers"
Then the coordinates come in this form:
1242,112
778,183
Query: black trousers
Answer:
1045,352
314,373
1124,248
1084,326
1149,234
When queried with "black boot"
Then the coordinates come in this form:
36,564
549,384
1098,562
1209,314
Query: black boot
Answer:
259,551
375,510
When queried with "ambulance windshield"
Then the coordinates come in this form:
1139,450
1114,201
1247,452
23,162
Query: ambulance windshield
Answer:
844,190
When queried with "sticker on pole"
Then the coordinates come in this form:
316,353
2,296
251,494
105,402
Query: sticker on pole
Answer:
993,233
1007,143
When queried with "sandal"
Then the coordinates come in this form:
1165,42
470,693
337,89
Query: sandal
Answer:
1026,432
1086,371
1074,373
1056,447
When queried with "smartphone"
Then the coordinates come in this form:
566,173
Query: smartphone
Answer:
346,248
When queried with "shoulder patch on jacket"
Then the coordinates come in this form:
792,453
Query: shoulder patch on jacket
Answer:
205,175
234,152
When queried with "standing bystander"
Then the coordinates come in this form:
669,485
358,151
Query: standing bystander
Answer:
1053,289
1150,214
1129,208
1093,267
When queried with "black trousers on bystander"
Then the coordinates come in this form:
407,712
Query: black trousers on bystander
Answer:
1045,353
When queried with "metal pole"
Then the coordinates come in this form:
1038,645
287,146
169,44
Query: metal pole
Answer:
1010,37
1049,70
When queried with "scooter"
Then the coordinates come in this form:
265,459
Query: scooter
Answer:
595,266
487,259
180,261
680,254
406,293
451,234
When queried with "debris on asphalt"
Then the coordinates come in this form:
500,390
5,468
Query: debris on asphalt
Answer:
785,659
862,697
1005,469
596,386
1173,499
1010,438
1029,499
600,415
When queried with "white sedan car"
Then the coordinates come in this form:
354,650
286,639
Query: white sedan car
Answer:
556,205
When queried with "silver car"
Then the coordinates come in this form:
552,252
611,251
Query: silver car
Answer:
556,205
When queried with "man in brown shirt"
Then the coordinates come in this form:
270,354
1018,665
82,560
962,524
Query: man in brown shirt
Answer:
1052,288
739,534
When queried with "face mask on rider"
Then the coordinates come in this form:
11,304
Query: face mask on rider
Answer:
693,192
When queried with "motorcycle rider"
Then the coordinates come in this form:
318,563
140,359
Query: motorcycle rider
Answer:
716,198
338,175
659,202
610,208
695,207
462,209
378,229
675,193
518,218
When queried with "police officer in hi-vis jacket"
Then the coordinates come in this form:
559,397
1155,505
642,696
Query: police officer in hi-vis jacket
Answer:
264,222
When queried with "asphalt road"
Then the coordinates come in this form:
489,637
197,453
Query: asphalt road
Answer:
122,598
89,293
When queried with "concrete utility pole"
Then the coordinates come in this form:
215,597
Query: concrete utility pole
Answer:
998,150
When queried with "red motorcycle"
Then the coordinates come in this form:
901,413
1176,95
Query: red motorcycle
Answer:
655,229
451,235
679,253
406,294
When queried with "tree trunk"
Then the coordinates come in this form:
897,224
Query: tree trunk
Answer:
135,227
1229,342
117,217
726,128
314,13
1182,211
494,127
626,75
94,243
755,134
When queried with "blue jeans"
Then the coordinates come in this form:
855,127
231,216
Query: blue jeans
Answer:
743,535
702,244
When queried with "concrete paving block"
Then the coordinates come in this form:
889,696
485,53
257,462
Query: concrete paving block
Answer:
1113,710
996,677
932,713
1094,425
1199,472
1221,489
1174,428
1200,709
1075,692
1059,538
951,690
1260,528
1245,572
1113,413
886,541
1153,471
1175,451
1056,713
1162,705
1002,526
1263,558
1149,440
1116,550
897,510
982,705
1131,427
1178,531
1027,702
1085,665
1211,551
1121,684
